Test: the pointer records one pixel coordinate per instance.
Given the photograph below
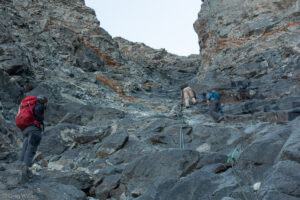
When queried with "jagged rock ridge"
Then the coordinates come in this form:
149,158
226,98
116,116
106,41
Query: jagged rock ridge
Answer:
113,125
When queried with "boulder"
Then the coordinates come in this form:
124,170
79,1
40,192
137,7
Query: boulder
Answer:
291,149
107,185
281,182
112,143
157,168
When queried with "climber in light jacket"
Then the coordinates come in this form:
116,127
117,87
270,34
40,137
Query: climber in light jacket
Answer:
187,93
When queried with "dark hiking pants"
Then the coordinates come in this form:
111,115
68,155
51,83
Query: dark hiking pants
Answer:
214,109
31,139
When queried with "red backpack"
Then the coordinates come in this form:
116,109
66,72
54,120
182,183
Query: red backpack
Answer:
25,116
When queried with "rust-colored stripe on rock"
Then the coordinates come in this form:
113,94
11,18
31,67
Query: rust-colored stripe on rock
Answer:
282,28
118,89
110,83
132,99
235,42
156,108
107,59
240,41
151,85
115,87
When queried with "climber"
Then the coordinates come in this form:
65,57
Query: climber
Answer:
187,93
30,120
215,108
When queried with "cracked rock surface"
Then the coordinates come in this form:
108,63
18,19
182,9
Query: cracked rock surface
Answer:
113,122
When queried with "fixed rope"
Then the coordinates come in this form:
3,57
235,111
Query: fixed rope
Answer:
181,135
181,138
231,159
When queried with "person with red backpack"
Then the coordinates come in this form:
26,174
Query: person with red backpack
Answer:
30,120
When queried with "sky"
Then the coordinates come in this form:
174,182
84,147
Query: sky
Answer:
157,23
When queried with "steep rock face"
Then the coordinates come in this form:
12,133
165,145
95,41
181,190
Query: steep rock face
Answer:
250,52
98,97
114,121
47,38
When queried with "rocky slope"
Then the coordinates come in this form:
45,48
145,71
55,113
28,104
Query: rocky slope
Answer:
252,49
113,121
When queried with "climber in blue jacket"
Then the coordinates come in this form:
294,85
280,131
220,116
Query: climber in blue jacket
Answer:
215,108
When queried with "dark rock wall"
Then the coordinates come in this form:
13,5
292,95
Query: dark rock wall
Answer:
250,52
